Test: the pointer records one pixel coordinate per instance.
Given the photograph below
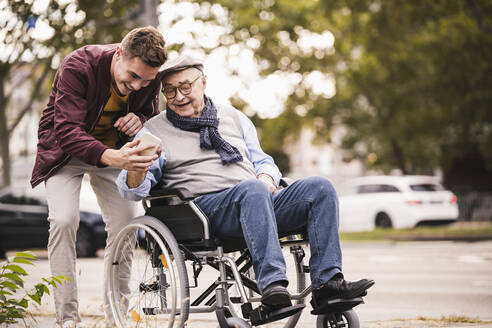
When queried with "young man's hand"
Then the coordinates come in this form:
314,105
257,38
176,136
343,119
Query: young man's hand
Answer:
129,124
128,158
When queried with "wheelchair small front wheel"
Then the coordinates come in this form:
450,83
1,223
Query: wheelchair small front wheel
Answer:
347,319
148,282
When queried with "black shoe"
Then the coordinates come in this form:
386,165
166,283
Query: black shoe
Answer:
338,288
276,296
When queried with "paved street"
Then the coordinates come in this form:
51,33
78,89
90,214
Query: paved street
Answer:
414,280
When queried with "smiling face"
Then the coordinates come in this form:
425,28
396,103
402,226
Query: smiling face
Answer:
190,105
130,74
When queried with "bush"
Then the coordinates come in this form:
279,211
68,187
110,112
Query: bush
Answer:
14,298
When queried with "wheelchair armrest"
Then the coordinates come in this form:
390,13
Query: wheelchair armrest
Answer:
182,193
285,182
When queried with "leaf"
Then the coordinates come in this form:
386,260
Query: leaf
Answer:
12,276
18,283
23,303
35,298
22,260
10,285
49,282
40,288
26,255
4,292
19,313
64,278
15,268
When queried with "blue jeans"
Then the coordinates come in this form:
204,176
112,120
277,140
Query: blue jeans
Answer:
248,210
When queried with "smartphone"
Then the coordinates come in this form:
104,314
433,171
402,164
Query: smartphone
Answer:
147,140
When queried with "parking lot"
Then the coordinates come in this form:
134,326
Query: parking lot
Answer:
414,280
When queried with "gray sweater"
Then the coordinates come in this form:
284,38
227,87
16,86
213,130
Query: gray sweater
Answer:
201,170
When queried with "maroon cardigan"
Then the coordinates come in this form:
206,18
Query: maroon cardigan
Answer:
78,96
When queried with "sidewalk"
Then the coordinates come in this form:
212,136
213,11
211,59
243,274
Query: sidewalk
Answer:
97,322
417,283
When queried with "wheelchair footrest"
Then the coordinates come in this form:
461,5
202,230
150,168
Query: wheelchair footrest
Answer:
337,305
264,314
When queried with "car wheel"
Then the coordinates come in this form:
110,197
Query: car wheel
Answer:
383,221
85,245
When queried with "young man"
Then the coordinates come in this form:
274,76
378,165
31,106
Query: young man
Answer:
101,96
214,152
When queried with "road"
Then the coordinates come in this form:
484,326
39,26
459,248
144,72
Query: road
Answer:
414,280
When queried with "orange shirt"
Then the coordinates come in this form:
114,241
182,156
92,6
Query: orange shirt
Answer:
114,108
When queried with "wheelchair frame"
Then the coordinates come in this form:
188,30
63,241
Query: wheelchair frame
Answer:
178,233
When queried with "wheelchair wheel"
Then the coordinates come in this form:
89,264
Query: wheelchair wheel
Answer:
147,277
347,319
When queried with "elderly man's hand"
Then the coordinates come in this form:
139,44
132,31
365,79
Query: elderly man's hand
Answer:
268,180
129,124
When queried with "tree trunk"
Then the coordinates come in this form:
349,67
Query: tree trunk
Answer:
4,133
32,97
148,14
398,153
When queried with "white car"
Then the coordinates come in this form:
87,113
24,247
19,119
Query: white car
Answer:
395,202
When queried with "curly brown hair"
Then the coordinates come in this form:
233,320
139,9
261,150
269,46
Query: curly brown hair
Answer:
146,43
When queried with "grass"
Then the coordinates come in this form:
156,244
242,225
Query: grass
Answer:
454,319
428,322
468,231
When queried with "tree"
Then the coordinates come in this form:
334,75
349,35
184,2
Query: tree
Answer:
22,50
413,79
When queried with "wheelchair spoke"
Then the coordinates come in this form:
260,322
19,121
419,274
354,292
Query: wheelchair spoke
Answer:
146,263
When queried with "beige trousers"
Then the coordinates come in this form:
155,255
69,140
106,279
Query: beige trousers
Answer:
63,196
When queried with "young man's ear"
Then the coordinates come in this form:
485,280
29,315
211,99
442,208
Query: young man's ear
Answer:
118,52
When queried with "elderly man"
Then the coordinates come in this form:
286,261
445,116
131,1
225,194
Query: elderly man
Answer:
214,152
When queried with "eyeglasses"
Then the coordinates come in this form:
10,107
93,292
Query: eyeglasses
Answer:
185,88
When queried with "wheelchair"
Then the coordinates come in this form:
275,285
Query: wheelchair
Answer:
153,253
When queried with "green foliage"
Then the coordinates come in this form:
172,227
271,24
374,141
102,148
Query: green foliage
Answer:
14,298
464,231
74,25
413,78
420,63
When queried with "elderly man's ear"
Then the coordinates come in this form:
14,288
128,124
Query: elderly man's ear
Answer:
204,80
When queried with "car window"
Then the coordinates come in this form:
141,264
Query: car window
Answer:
346,190
426,187
373,188
19,200
389,188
